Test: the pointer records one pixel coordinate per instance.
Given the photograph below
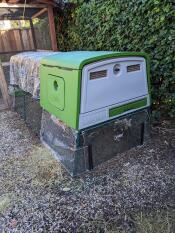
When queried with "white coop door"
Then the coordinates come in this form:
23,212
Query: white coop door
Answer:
113,81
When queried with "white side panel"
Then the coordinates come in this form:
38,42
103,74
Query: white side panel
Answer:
114,88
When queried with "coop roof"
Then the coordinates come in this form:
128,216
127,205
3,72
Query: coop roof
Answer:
21,9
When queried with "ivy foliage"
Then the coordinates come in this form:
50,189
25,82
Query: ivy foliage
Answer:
130,25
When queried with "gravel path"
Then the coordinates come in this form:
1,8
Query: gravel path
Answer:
15,137
37,195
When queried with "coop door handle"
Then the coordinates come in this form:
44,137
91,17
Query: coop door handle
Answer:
55,85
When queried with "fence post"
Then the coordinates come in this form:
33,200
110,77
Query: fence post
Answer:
4,88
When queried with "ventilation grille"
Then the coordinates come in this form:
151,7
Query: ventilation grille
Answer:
98,74
133,68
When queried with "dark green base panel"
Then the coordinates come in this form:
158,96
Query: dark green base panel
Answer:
81,151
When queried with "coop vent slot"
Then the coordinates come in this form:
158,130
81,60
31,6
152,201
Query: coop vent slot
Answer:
133,68
98,74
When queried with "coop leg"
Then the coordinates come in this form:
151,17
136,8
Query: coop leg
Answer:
142,133
4,88
91,166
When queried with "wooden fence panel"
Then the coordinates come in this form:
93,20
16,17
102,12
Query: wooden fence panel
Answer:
5,41
31,39
16,40
12,41
25,40
1,43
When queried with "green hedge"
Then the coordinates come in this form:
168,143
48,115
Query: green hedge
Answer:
129,25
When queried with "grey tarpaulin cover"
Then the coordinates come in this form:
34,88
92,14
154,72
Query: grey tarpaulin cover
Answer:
24,71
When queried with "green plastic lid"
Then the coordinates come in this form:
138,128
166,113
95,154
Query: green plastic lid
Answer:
77,59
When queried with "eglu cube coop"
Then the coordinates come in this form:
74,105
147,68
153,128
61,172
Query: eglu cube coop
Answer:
97,105
87,88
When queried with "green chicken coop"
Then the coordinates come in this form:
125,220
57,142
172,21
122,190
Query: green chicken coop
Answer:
88,92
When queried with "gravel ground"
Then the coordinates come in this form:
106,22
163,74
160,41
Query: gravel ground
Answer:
37,195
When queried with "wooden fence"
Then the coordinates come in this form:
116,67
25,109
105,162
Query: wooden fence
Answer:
16,40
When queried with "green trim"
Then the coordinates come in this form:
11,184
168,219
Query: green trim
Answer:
148,74
124,108
78,98
112,55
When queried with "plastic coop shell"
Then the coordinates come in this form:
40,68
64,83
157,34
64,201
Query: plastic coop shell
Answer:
87,88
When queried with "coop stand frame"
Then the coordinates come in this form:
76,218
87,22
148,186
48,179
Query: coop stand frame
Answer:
6,103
